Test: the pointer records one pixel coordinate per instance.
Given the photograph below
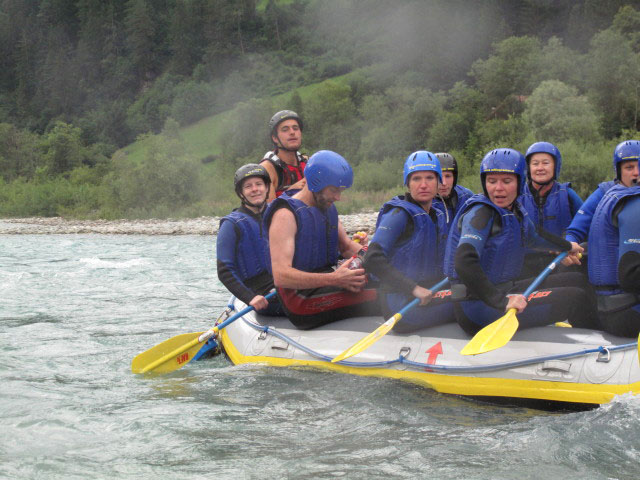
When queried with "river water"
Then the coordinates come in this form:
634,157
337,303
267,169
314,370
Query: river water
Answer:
75,309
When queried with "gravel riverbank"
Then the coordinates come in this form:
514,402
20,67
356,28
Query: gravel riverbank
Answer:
189,226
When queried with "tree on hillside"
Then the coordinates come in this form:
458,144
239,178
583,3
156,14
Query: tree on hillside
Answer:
245,135
63,149
613,78
559,62
141,32
165,180
59,92
186,39
19,153
508,73
330,120
465,108
555,113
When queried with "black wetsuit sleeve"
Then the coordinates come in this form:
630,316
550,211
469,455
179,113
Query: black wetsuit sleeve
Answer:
476,229
629,272
467,264
226,245
233,284
394,227
629,246
548,240
377,263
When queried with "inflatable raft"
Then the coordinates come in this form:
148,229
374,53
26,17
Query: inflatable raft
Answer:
546,367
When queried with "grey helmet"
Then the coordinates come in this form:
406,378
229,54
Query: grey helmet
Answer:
280,117
448,164
247,171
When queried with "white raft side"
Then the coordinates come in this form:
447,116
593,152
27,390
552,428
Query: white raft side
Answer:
580,379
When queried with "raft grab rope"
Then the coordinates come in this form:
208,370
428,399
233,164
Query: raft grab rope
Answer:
606,350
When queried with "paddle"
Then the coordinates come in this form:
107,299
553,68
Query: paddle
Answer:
176,352
498,333
383,329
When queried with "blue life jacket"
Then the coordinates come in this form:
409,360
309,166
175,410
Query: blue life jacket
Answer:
604,241
605,186
555,215
503,254
420,257
317,236
252,248
453,204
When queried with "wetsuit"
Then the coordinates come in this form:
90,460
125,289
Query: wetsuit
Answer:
485,253
406,250
578,230
316,251
614,260
241,252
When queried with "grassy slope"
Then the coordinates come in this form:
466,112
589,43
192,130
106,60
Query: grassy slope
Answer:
203,137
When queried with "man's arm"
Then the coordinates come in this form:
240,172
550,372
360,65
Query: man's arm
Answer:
299,185
282,244
346,246
273,175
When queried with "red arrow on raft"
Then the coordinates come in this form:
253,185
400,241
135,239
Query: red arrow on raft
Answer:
433,353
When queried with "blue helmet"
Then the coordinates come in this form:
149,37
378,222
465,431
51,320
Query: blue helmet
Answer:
504,160
326,168
625,151
545,147
421,161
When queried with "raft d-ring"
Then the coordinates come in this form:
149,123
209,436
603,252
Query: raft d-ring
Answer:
224,315
604,355
404,352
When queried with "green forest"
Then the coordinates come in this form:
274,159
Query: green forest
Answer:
140,108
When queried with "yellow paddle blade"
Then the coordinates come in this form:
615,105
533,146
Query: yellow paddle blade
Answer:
369,340
494,335
169,355
638,347
563,324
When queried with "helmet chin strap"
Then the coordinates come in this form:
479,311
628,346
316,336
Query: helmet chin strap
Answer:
279,145
544,184
247,202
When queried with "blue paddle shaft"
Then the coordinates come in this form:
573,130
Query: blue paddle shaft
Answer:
548,269
242,312
416,301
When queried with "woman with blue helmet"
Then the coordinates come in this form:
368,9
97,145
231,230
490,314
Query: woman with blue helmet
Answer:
305,240
485,254
407,249
625,168
550,204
